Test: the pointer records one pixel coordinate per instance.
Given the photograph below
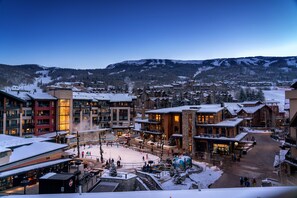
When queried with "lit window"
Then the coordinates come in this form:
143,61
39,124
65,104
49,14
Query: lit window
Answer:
158,117
176,118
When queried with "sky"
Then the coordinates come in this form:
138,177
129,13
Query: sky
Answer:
89,34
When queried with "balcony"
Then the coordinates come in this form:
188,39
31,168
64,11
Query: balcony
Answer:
9,107
12,116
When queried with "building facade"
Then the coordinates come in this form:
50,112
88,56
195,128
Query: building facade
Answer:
193,129
289,166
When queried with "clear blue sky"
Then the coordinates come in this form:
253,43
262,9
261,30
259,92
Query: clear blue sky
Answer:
92,34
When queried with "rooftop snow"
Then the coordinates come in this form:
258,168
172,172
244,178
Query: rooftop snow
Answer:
41,96
226,123
3,149
213,108
118,97
8,141
34,149
237,138
252,109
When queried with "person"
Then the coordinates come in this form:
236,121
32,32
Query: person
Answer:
84,146
82,154
143,158
254,182
241,181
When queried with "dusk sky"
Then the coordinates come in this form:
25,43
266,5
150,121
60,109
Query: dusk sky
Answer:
92,34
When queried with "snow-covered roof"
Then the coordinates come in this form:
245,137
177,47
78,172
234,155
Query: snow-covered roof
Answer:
250,102
212,108
233,107
237,138
252,109
120,175
3,149
226,123
34,149
32,167
8,141
20,95
41,96
112,97
53,134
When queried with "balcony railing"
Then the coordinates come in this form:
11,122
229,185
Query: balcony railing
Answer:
13,116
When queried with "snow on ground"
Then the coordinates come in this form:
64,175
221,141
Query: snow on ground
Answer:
250,130
44,78
133,159
276,95
204,179
129,158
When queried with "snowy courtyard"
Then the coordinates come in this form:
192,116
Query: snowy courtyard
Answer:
134,159
129,158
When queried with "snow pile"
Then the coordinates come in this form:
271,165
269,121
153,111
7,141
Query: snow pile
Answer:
277,95
250,130
203,179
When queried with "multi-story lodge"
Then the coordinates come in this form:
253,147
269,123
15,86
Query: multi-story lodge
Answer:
24,113
289,167
61,109
104,110
254,113
199,128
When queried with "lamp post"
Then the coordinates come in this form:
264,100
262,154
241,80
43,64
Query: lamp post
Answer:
100,145
77,144
25,183
162,145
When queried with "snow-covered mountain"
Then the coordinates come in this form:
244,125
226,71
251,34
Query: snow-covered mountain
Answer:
161,71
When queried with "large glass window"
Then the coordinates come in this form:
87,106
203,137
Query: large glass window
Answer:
123,114
114,114
64,114
158,117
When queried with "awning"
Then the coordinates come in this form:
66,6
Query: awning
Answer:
153,132
176,135
237,138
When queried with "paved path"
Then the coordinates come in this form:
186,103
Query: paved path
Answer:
258,163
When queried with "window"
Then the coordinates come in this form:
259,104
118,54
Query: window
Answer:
158,117
176,118
114,114
123,114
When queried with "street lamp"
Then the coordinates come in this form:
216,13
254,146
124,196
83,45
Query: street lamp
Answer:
25,183
162,145
100,144
77,144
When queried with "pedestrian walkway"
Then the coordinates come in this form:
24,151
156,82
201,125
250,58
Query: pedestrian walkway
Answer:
258,164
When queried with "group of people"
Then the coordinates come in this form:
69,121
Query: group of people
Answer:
88,153
245,181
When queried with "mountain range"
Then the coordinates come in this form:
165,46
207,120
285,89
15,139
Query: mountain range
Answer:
161,71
